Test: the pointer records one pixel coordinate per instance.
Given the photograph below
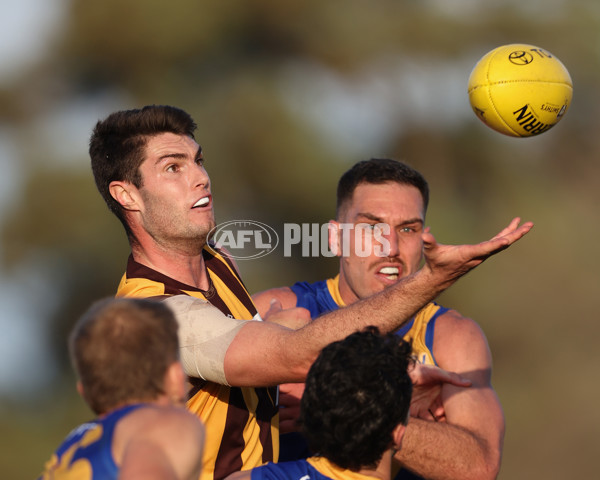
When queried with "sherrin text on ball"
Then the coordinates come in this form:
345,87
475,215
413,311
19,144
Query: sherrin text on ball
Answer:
520,90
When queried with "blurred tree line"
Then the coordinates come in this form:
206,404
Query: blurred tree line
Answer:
281,93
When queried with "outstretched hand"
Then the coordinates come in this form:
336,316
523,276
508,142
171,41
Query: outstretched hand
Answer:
450,262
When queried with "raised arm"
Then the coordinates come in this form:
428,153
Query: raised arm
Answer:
283,355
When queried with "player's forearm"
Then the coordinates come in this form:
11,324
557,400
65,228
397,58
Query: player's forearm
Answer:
388,310
394,306
287,355
439,451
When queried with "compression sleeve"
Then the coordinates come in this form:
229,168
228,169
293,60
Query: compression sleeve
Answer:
205,334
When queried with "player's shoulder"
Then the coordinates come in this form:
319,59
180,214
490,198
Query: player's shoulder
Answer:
180,420
458,341
155,434
452,323
163,419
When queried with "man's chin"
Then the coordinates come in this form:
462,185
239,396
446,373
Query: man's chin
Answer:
375,288
205,231
387,282
197,239
203,238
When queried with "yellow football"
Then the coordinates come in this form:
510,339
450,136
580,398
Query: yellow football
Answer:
520,90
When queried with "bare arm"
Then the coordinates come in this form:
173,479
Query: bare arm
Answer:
285,355
468,443
162,444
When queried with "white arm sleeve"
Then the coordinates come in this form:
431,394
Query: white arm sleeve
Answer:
205,334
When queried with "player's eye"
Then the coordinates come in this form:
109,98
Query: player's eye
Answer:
379,229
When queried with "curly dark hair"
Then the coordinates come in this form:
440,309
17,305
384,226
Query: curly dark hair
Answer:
357,392
378,171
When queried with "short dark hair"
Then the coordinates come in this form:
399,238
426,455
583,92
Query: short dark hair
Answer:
378,171
117,145
357,392
121,349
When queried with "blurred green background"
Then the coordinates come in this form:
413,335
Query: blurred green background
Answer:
288,95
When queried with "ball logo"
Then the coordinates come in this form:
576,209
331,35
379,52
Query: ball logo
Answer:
520,57
527,118
519,90
243,239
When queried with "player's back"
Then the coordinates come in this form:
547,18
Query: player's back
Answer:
86,453
314,468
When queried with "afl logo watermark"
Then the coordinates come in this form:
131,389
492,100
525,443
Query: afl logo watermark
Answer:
520,57
243,239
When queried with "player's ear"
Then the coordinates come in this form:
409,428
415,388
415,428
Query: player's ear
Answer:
126,194
175,383
398,435
334,238
80,390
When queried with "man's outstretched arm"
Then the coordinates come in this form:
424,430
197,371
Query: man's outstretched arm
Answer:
285,355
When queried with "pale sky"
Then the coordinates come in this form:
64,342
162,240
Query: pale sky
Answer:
26,30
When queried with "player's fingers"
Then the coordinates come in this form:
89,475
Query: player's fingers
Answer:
514,223
453,378
274,307
428,239
440,375
420,413
513,232
285,388
431,374
288,401
500,242
292,389
288,426
437,412
456,380
288,414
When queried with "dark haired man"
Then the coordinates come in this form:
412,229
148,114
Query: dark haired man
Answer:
150,170
126,355
467,426
353,411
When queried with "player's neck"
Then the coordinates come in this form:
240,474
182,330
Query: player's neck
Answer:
184,266
383,470
345,292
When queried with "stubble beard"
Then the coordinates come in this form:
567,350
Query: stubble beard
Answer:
194,238
177,234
